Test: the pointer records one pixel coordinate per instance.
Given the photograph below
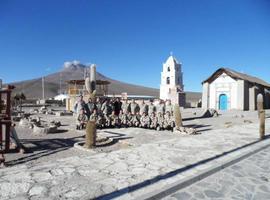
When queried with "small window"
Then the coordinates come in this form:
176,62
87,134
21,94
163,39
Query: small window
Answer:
168,80
169,68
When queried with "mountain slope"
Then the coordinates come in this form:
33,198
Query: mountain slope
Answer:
33,88
74,70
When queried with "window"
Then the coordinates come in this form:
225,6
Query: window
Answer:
168,80
168,68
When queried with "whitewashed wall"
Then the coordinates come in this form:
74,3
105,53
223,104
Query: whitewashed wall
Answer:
224,84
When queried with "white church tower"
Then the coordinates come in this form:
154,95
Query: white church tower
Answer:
171,86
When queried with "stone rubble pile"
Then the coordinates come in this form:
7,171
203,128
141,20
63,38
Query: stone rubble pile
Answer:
185,130
38,126
210,113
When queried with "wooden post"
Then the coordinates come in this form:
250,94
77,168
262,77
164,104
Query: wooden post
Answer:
262,124
259,103
90,138
177,116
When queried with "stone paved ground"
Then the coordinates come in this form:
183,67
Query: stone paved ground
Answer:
248,179
127,169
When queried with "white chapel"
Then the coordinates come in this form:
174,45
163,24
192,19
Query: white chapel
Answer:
171,87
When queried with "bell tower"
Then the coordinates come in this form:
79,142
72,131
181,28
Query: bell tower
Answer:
171,86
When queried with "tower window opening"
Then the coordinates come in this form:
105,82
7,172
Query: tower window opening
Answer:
168,80
168,69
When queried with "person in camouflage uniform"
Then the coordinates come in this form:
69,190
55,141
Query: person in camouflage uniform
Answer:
90,107
153,118
114,120
145,121
143,108
168,121
106,108
136,120
98,105
160,107
101,121
151,108
169,107
123,119
134,107
81,120
125,107
97,118
129,119
160,121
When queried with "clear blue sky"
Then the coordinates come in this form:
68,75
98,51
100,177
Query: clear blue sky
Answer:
130,39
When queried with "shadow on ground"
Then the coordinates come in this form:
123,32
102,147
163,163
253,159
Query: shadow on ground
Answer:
153,180
37,148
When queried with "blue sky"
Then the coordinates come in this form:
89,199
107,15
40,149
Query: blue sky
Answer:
130,39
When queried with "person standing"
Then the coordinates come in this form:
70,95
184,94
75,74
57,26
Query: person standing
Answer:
134,107
143,108
169,107
117,106
160,107
151,108
98,104
80,104
125,107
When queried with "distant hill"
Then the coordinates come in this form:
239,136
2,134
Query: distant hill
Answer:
75,70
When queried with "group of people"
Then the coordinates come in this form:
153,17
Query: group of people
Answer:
109,113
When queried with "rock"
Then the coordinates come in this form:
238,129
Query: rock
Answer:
55,123
37,190
16,118
61,113
41,130
210,113
190,131
24,123
52,129
33,110
183,130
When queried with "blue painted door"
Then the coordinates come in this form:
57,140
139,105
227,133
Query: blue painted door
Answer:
223,102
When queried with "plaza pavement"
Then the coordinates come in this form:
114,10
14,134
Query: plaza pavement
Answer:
248,179
147,162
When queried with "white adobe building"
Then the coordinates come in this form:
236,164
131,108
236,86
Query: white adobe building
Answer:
171,87
227,89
